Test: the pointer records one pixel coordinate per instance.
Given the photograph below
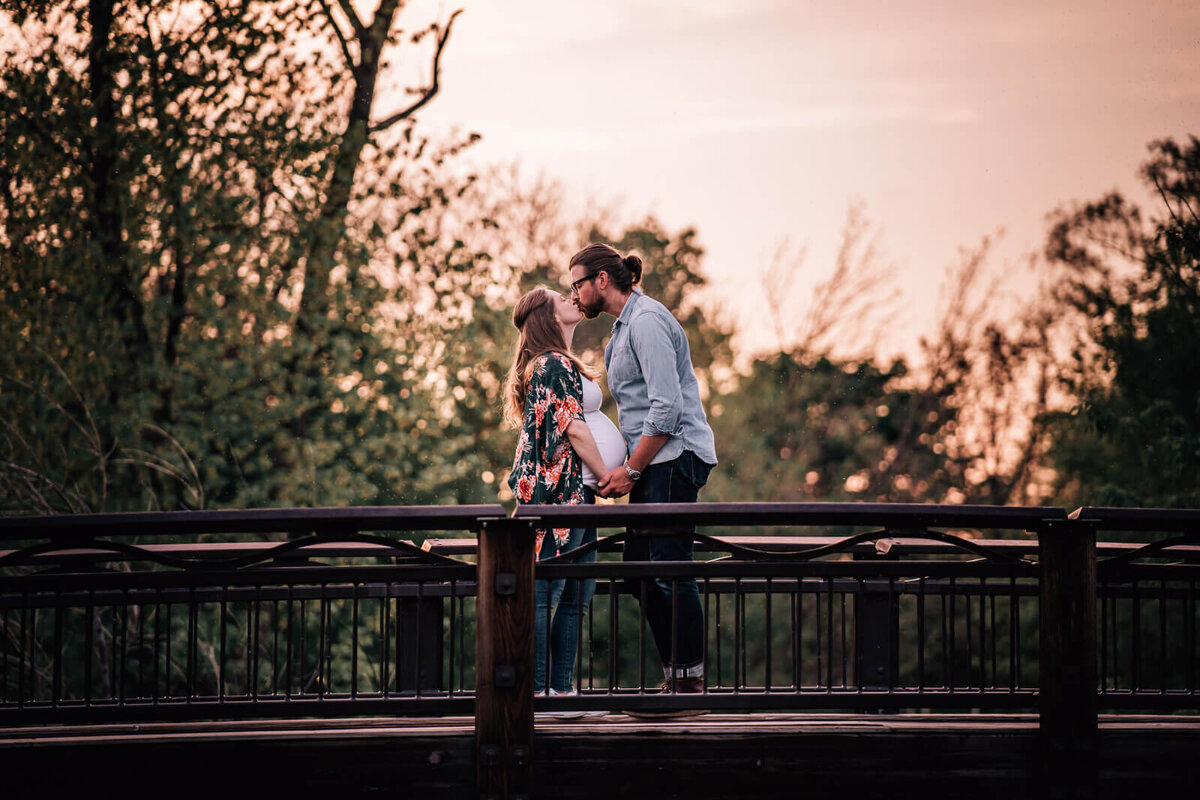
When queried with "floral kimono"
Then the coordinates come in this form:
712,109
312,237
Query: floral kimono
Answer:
546,469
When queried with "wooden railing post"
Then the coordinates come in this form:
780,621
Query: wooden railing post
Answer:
504,660
1067,688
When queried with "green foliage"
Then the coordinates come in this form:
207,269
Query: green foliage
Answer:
164,343
799,432
1133,438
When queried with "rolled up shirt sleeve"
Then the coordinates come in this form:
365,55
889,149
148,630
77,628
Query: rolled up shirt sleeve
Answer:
653,344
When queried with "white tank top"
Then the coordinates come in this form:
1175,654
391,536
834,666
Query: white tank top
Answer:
608,437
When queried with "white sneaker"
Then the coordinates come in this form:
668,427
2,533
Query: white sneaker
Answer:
565,714
577,714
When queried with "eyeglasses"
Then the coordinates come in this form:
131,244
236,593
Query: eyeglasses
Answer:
576,284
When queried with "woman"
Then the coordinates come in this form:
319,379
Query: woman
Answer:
566,445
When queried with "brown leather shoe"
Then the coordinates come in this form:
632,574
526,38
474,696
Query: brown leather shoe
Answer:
667,687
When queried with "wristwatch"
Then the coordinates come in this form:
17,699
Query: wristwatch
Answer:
633,474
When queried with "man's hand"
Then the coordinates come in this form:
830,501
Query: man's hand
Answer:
616,483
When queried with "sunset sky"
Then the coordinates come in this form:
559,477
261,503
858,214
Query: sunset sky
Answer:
756,120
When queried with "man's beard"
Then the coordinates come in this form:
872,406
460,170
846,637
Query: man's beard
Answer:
593,309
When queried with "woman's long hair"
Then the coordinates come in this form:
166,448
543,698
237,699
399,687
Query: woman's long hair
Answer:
540,333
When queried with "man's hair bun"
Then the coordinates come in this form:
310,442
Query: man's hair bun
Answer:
634,265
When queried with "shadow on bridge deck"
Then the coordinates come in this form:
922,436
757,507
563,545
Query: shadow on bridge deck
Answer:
716,756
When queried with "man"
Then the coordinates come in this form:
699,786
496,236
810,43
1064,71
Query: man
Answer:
670,444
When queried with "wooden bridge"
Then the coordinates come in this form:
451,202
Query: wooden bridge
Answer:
874,649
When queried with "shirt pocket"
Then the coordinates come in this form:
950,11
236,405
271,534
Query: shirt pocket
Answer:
623,367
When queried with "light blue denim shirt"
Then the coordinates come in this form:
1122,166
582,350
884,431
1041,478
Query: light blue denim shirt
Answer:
652,380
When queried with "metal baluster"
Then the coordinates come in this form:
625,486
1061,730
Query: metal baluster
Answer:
89,638
273,616
1162,636
190,678
738,638
157,693
921,634
829,635
57,656
302,646
859,615
641,666
970,639
767,677
166,649
385,642
462,647
418,656
289,632
1189,636
1115,644
123,645
221,661
953,638
253,648
1014,633
794,637
1103,590
325,645
1136,644
21,668
354,641
992,603
452,651
845,647
113,676
893,644
401,624
141,650
982,635
819,638
612,637
704,635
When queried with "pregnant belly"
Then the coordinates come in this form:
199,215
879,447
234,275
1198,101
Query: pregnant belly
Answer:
608,439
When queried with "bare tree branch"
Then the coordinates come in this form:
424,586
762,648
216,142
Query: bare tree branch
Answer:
777,281
853,296
352,15
337,30
443,35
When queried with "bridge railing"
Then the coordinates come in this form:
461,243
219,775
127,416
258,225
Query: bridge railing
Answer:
335,612
321,612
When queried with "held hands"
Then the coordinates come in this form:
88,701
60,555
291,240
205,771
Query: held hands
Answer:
616,483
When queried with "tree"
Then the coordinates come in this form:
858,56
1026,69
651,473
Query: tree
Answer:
821,421
189,269
1133,435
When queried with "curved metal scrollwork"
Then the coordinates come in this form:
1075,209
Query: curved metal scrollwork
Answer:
1152,549
808,553
406,551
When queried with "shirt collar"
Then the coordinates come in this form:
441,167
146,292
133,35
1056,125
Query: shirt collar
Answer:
627,311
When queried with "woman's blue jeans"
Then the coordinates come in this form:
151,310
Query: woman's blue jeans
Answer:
561,605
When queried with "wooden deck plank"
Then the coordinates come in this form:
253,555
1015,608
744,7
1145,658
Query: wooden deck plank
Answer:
720,756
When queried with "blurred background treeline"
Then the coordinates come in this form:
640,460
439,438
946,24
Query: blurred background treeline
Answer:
235,273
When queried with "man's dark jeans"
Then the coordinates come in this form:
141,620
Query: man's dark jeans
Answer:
668,600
